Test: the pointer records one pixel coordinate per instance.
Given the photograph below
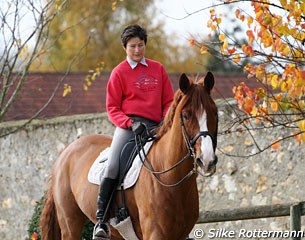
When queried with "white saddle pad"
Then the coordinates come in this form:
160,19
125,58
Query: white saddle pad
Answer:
97,169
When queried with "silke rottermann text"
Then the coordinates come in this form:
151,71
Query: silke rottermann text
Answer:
256,233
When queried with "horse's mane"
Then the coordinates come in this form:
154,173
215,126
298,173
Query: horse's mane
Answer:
168,119
197,97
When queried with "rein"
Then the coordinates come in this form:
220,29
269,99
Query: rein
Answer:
190,143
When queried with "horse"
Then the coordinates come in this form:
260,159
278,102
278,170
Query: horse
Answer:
164,202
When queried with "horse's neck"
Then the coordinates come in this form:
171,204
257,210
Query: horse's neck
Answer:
172,146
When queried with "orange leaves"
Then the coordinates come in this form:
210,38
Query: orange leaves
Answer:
231,50
248,50
203,48
274,34
246,98
34,236
250,37
275,146
191,42
214,20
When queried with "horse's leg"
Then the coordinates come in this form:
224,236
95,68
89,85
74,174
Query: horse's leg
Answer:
70,218
71,221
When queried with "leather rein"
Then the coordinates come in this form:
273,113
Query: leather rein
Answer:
190,143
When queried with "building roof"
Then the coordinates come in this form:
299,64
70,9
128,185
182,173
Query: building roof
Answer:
38,90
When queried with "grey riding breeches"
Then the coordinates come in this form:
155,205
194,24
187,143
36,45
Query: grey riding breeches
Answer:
120,138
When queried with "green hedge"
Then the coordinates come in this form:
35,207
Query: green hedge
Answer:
34,232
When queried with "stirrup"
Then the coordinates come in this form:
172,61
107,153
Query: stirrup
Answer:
101,231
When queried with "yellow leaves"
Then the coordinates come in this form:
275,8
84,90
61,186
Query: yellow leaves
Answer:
222,37
286,51
275,81
301,125
285,85
203,50
67,90
274,105
114,5
236,58
23,52
283,3
93,74
250,21
58,5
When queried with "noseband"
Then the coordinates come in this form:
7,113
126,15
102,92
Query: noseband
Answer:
190,143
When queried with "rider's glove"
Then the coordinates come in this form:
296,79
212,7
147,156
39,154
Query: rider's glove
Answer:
137,128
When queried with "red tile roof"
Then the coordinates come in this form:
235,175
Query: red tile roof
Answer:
39,87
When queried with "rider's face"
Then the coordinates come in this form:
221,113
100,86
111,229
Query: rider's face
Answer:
135,49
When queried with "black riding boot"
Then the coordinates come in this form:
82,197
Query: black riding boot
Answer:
101,229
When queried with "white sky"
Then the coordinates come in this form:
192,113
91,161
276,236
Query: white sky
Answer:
192,25
196,24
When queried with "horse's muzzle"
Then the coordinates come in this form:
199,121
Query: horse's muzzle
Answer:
210,168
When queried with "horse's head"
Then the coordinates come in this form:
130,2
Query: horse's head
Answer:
199,120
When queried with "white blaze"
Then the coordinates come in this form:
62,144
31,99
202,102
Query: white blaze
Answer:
207,151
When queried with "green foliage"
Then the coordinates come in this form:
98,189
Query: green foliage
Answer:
34,221
88,230
33,229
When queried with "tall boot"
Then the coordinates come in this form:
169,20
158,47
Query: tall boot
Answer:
101,229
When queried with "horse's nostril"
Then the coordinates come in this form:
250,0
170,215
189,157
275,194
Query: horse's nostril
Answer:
200,163
213,163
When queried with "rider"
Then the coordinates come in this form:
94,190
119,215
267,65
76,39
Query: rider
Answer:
138,88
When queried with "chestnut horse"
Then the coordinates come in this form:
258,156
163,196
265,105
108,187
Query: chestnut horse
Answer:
164,202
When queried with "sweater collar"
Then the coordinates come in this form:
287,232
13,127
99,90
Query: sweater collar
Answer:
133,64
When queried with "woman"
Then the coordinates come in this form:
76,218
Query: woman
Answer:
138,88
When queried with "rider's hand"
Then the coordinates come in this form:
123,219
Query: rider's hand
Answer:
137,128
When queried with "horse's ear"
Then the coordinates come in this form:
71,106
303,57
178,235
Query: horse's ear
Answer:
184,83
209,81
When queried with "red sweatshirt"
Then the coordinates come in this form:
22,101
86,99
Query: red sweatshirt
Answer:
145,91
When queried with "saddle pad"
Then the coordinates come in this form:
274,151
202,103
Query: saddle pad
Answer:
97,169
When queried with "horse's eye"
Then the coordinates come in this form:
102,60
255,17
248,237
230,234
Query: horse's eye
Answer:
185,116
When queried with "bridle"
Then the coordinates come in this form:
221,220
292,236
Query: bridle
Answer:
190,143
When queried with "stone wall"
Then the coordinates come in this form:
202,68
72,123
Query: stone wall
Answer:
272,177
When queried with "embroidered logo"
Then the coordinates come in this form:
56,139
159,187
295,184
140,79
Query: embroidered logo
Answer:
146,83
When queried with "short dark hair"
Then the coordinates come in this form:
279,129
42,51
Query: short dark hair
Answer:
131,32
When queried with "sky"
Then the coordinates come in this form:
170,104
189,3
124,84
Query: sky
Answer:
196,23
171,10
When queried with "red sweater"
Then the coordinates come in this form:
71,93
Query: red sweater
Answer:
145,91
